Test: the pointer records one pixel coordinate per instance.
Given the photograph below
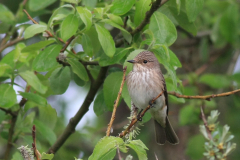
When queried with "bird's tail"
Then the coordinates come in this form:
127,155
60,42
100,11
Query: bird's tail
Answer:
167,133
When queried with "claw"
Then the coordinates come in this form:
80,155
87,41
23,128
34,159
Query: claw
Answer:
139,118
152,104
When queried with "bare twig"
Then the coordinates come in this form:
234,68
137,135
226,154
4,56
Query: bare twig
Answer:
116,102
19,39
119,154
34,144
8,111
207,97
134,120
205,123
10,136
67,44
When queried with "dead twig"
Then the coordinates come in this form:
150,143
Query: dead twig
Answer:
207,97
116,103
205,123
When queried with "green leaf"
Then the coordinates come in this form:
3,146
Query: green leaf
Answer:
195,147
33,81
48,116
6,16
78,80
86,16
47,156
45,131
180,19
37,46
99,106
215,80
189,115
34,29
46,59
71,1
78,69
142,6
139,148
116,19
125,33
111,88
163,29
106,61
131,56
106,146
120,7
106,40
174,61
8,96
229,23
60,10
35,5
193,8
87,45
6,70
60,79
34,97
17,156
69,26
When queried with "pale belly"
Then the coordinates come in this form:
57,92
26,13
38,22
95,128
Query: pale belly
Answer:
142,92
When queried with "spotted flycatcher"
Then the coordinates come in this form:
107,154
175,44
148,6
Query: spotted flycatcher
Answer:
146,82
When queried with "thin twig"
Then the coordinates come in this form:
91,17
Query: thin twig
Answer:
11,43
116,103
10,137
205,123
119,154
134,120
67,44
34,144
8,111
207,97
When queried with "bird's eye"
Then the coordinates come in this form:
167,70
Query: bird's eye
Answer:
145,61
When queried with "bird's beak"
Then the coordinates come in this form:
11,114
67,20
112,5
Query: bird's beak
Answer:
131,61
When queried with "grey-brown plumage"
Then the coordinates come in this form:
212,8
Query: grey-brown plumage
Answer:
144,83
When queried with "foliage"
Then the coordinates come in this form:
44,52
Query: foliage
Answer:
87,43
219,146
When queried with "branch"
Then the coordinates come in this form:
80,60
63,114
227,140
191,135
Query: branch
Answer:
81,112
11,43
10,136
155,5
207,97
67,44
34,144
205,123
116,102
134,120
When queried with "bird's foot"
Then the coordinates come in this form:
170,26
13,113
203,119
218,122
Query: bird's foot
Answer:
151,104
139,118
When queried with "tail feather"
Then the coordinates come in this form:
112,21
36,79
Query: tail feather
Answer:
159,133
167,133
170,133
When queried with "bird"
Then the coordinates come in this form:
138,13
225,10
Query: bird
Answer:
146,82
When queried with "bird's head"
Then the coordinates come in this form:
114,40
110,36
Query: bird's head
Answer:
144,61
